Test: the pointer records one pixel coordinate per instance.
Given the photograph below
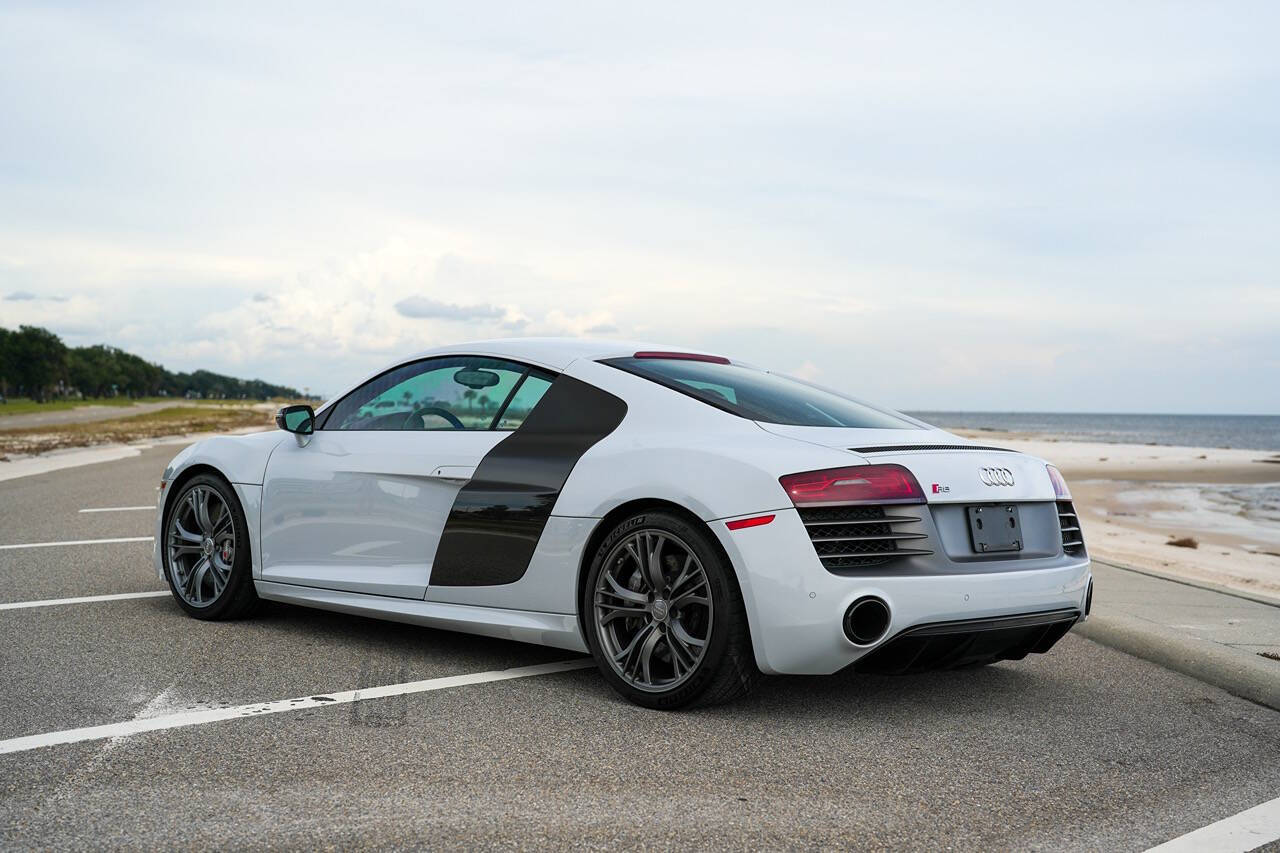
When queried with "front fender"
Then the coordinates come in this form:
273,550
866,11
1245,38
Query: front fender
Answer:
242,460
239,458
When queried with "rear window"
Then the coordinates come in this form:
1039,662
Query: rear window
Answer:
760,396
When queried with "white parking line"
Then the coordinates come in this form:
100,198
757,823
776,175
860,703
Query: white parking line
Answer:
319,700
85,599
1248,830
120,508
77,542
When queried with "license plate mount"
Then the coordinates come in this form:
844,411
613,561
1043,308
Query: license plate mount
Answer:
995,528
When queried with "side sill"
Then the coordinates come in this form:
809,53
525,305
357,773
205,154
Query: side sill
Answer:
559,630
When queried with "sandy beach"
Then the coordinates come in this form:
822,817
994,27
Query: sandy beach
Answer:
1135,499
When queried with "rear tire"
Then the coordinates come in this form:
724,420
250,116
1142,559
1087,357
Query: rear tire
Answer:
664,615
205,551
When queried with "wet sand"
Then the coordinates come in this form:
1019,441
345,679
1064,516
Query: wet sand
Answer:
1135,499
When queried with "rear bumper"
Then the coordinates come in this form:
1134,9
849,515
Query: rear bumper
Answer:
795,607
968,642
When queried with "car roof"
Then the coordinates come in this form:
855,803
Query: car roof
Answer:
556,353
553,353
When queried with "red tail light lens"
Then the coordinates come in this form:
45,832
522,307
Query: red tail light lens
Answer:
858,484
1059,484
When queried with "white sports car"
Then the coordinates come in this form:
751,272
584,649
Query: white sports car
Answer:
689,520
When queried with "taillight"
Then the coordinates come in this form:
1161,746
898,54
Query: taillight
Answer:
858,484
1060,489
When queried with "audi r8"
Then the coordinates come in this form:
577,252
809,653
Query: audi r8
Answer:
689,520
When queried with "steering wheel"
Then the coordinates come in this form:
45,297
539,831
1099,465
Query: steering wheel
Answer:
432,410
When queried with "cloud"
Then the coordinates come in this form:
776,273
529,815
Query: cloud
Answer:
559,323
709,185
28,296
807,371
422,308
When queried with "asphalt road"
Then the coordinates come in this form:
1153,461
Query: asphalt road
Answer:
1082,748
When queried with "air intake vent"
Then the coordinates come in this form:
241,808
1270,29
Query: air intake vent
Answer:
1072,538
899,448
854,537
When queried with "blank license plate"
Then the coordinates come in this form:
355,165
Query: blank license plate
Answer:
995,529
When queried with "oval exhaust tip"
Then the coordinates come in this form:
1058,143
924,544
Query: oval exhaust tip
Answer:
866,620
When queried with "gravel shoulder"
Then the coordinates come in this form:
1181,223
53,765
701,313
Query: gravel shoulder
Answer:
170,420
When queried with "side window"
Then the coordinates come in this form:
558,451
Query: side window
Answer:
526,397
458,392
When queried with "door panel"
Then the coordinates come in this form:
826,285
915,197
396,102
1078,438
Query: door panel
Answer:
362,511
498,518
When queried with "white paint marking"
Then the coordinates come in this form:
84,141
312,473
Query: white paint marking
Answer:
80,780
77,542
86,599
318,700
151,507
1248,830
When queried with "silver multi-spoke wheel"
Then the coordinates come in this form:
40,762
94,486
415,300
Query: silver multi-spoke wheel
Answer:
653,610
201,543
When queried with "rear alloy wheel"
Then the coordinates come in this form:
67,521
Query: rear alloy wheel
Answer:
666,621
206,551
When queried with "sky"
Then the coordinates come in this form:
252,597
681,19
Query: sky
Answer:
1005,206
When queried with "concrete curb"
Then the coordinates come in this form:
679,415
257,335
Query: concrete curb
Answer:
1248,595
1240,673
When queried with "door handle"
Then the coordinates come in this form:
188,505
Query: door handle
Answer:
454,473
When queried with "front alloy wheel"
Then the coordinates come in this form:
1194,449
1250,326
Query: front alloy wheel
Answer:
202,545
206,550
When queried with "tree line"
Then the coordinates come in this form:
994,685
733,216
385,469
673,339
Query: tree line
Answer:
35,363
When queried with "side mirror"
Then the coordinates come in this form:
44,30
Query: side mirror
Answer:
300,420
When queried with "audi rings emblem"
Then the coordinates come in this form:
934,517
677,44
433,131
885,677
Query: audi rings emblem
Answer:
996,476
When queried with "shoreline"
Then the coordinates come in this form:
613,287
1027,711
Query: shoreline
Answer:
1260,433
1133,499
1097,460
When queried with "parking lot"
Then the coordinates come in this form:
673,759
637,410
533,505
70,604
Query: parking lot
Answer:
1082,748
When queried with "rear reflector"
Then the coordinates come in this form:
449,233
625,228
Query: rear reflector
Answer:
858,484
684,356
749,522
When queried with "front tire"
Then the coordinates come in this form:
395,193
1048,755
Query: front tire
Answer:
206,551
664,615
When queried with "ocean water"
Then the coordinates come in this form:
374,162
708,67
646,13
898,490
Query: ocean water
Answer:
1250,432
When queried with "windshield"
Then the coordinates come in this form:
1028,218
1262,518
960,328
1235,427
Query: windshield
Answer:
760,396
